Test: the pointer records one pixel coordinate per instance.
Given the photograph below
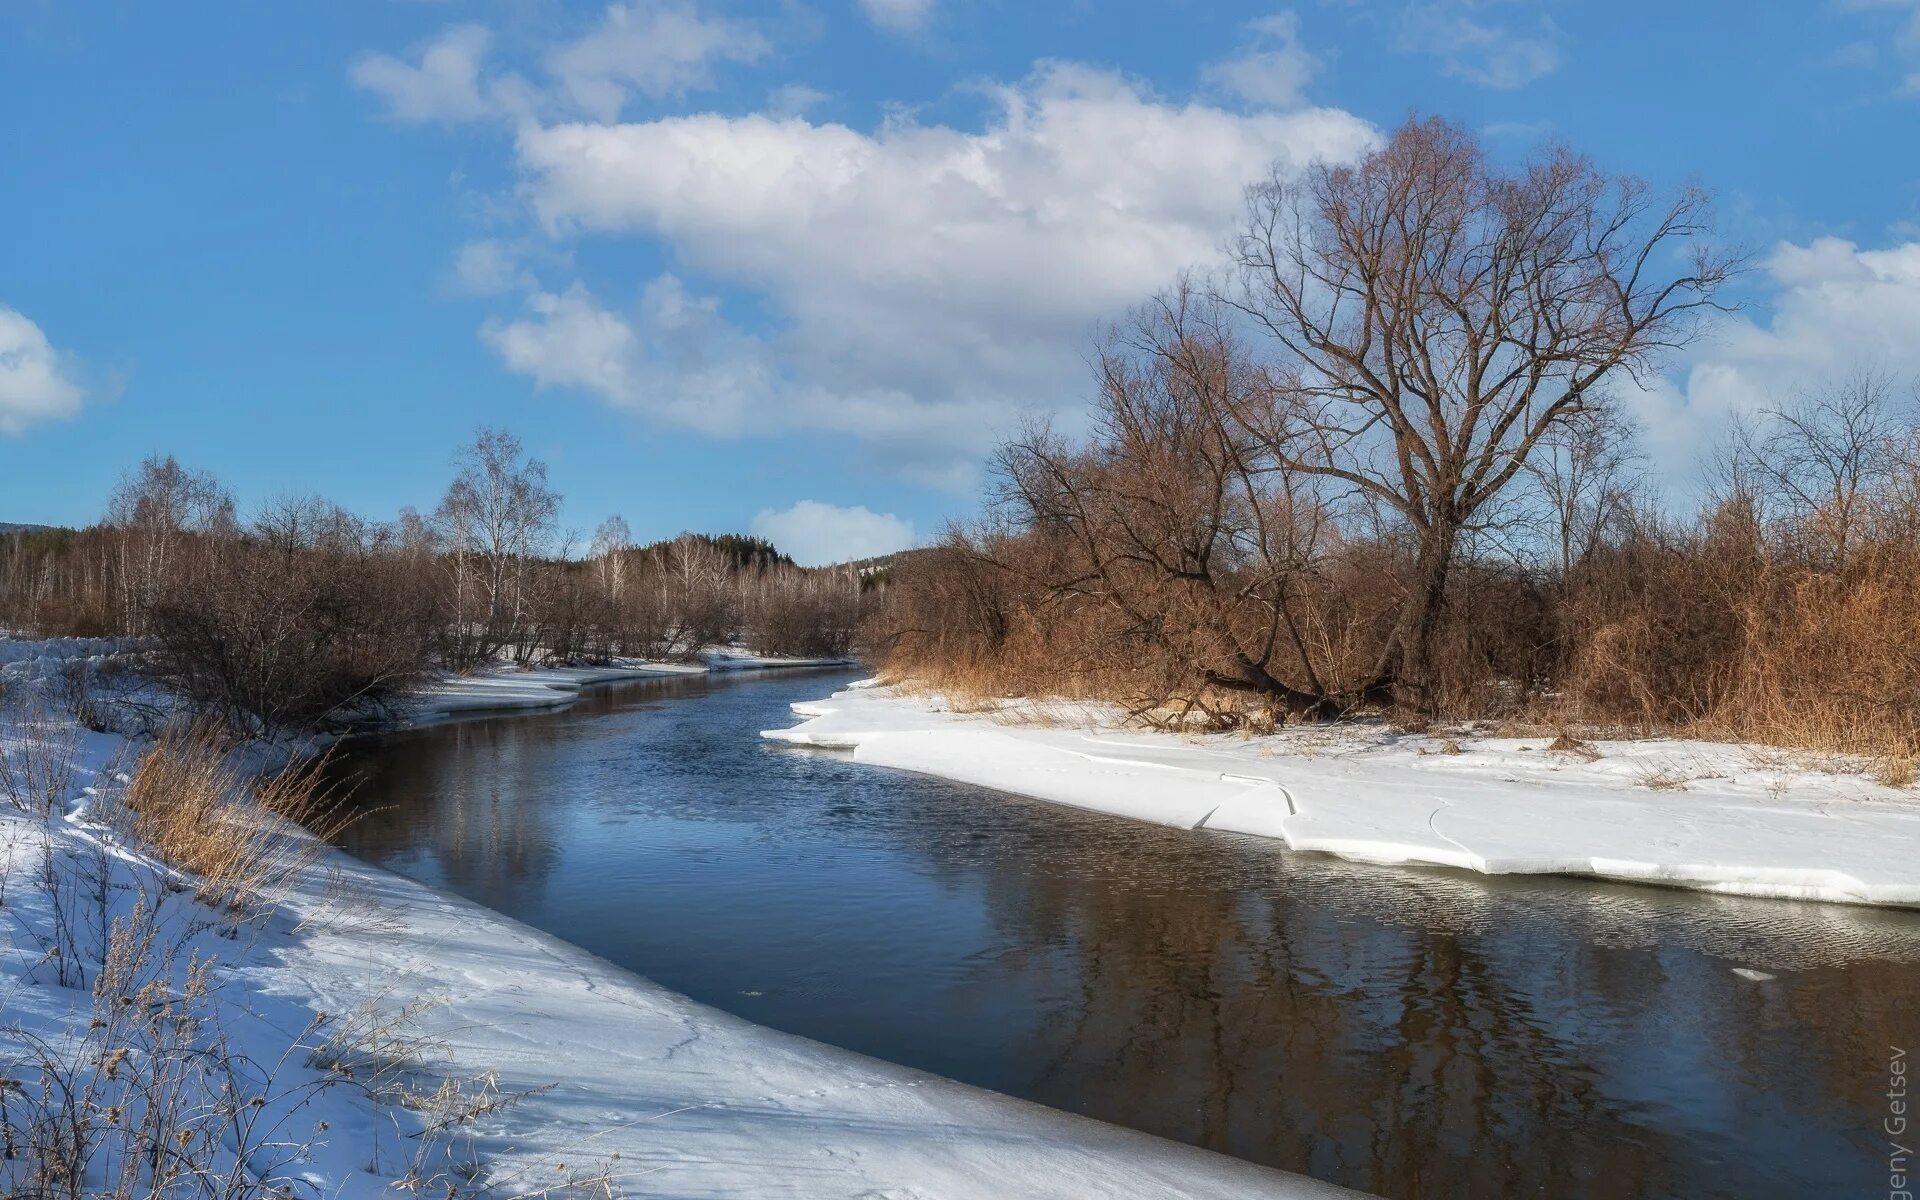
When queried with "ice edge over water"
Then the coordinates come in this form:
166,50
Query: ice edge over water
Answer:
1729,821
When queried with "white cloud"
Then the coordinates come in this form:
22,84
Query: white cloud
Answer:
651,48
815,534
927,283
1271,69
1835,308
657,48
674,359
36,382
484,267
794,100
444,85
1474,43
898,16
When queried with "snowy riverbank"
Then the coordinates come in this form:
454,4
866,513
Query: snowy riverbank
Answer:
1720,818
508,688
614,1077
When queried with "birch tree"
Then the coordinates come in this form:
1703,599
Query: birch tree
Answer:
498,516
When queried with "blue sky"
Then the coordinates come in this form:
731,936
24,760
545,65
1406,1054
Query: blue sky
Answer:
715,260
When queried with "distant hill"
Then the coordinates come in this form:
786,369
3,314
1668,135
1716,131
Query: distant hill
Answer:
17,527
744,552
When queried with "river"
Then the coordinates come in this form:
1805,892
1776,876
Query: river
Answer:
1412,1033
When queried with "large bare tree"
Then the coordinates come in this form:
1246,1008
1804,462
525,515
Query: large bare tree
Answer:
1437,315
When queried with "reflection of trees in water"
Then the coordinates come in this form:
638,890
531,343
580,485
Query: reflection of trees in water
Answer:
1465,1039
457,795
471,795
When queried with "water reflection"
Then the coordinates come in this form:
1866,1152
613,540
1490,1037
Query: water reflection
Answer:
1413,1033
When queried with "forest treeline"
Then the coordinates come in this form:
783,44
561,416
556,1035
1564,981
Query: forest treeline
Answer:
304,614
1385,463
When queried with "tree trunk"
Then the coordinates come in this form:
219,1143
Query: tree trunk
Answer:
1414,683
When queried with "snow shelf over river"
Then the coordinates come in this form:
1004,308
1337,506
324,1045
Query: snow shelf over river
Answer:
1720,818
507,688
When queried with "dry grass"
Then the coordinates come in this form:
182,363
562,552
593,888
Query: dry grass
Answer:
198,810
1896,770
1661,779
151,1098
37,762
1566,743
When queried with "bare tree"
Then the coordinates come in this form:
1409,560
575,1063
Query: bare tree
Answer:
157,511
1437,316
609,554
704,605
1822,460
1205,543
1586,472
497,517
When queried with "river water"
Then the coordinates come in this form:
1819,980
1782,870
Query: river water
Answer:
1413,1033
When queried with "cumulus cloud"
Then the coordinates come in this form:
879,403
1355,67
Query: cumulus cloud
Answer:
673,358
36,381
1271,69
960,271
898,16
815,534
1476,41
1834,308
654,48
443,85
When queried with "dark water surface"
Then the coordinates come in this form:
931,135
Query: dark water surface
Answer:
1412,1033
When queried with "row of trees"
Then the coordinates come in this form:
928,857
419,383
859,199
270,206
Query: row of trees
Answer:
305,613
1384,464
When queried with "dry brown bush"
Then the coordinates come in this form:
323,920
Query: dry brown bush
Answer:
236,835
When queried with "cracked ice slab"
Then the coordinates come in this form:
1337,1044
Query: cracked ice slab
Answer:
1730,819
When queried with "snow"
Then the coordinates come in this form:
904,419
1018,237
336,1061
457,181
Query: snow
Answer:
695,1102
1717,817
611,1072
26,660
503,689
738,658
508,688
67,881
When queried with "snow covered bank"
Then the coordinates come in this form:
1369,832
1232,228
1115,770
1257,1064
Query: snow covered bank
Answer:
597,1073
1719,818
508,688
684,1100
